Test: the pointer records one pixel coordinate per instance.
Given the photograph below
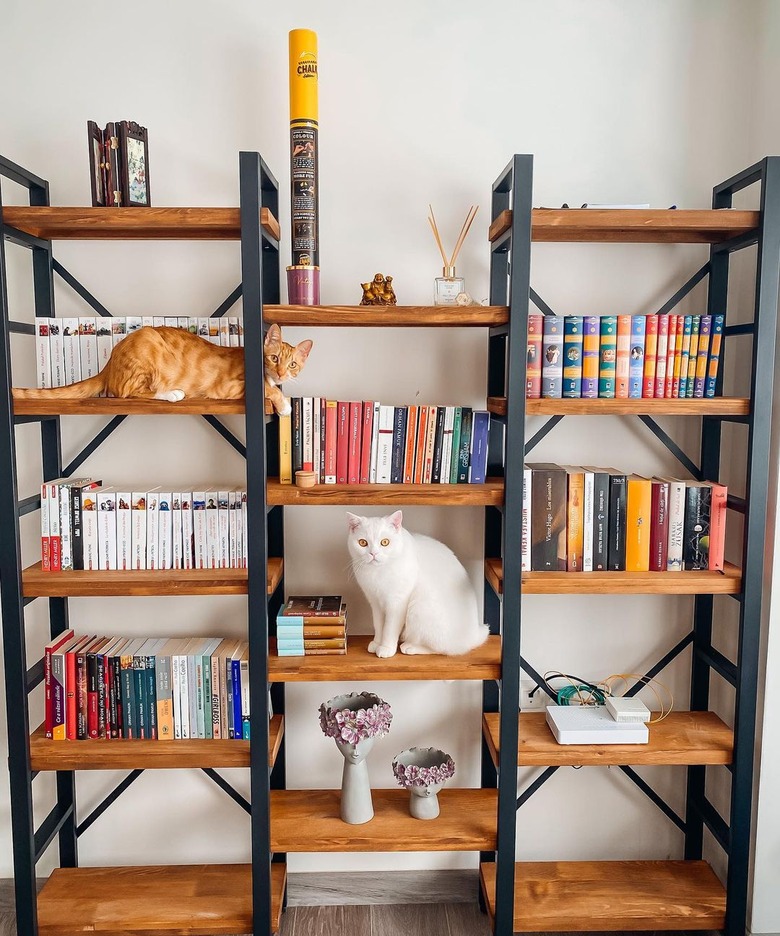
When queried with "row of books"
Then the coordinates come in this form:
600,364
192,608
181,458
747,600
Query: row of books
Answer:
600,519
156,689
623,356
370,443
87,526
312,625
71,349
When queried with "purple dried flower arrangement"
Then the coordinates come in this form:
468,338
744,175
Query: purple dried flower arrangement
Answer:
366,716
414,775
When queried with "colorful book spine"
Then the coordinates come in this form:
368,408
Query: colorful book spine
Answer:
353,454
685,353
587,520
411,442
702,356
623,358
591,336
419,454
710,384
575,520
552,362
548,517
607,356
693,357
533,372
676,525
365,442
285,450
479,447
670,354
400,417
638,524
464,452
637,357
651,347
572,357
662,344
697,526
331,440
342,442
678,346
316,438
718,509
437,446
456,429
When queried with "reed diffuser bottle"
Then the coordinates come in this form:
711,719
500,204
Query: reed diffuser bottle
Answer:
448,286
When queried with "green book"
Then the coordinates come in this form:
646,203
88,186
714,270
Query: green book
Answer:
454,463
607,356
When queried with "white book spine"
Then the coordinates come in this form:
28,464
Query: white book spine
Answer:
235,515
106,504
676,520
184,696
70,337
159,321
152,530
176,687
192,325
88,347
233,330
200,548
43,353
224,530
214,330
147,321
446,444
66,546
203,328
134,322
177,557
89,532
54,525
241,333
212,530
105,341
385,445
57,353
316,411
224,332
588,498
525,532
138,531
118,330
171,321
183,322
244,531
124,527
374,445
187,555
165,531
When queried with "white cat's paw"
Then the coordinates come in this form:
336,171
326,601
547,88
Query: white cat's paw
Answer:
286,409
384,652
172,396
372,647
412,648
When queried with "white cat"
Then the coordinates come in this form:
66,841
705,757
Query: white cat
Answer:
417,588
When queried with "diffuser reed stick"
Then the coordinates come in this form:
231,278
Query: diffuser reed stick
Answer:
448,287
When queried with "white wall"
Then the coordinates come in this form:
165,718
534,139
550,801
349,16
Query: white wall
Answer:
618,102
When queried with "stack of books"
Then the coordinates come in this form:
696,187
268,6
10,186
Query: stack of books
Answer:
623,356
601,519
146,688
366,442
71,349
312,625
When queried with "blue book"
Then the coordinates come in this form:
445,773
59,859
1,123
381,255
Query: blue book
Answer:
465,445
572,356
235,666
718,322
636,358
479,447
552,357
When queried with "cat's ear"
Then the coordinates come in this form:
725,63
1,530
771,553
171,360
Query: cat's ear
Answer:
303,348
354,521
273,336
396,519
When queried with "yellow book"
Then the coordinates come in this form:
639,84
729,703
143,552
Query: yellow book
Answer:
638,510
285,449
574,518
164,678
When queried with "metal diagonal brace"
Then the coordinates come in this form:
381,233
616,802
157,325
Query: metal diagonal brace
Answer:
81,290
228,304
50,826
226,434
535,439
654,797
665,660
673,447
536,785
541,682
539,302
222,783
683,291
88,449
114,795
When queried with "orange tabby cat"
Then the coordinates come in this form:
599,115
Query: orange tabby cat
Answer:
171,364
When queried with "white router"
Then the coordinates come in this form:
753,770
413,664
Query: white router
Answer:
592,724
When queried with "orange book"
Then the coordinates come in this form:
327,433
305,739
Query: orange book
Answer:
411,438
651,346
678,349
422,434
718,526
575,518
623,357
671,346
638,523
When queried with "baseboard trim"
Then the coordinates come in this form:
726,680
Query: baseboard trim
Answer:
307,889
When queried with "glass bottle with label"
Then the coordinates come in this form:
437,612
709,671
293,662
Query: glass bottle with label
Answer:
447,287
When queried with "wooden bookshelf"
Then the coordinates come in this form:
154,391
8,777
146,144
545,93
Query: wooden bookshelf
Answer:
632,225
78,584
386,316
133,223
309,821
358,663
681,738
728,582
110,406
489,494
558,896
175,900
715,406
116,754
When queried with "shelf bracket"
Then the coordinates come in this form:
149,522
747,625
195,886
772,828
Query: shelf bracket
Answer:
226,434
673,447
665,660
222,783
683,291
114,795
654,797
541,682
536,785
535,439
540,304
80,289
228,304
50,826
88,449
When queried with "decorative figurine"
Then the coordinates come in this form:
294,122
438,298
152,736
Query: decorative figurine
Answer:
355,721
379,291
423,771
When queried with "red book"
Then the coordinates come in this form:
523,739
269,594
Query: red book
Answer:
365,444
411,439
71,705
353,457
718,526
419,455
93,716
47,652
651,346
342,442
670,349
660,356
533,373
331,434
659,525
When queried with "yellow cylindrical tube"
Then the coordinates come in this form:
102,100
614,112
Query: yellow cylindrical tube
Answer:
304,88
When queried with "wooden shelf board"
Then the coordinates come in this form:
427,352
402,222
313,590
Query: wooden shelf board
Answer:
309,821
491,493
632,226
358,663
558,896
717,406
681,738
728,582
110,406
39,584
133,223
386,316
177,900
113,754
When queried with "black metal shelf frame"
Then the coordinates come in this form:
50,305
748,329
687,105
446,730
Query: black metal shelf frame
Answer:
510,266
260,276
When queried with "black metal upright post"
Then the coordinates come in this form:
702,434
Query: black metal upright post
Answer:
255,180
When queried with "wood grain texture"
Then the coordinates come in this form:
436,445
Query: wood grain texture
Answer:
133,223
558,896
110,406
717,406
632,226
117,754
180,900
39,584
491,493
386,316
309,821
681,738
728,582
428,919
358,663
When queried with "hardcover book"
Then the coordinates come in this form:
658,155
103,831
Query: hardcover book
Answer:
616,549
693,357
315,606
607,356
671,344
659,526
685,352
572,356
548,518
696,543
718,510
702,356
623,358
575,519
651,347
660,356
533,372
591,338
552,361
718,322
478,458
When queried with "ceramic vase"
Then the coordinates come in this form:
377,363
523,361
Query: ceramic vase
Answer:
423,771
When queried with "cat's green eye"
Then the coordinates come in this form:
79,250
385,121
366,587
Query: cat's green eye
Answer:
275,359
362,542
385,542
